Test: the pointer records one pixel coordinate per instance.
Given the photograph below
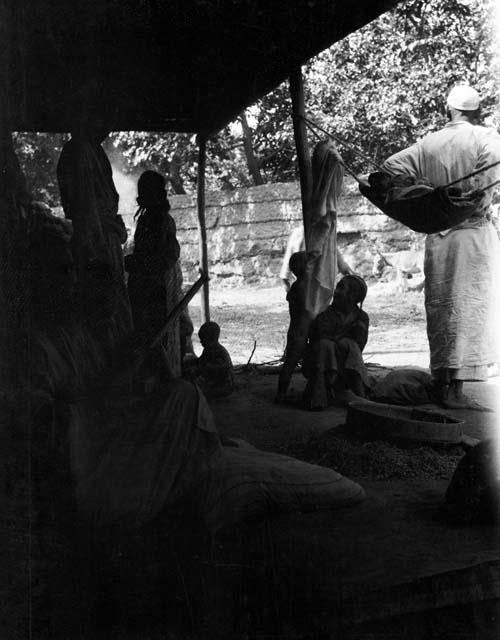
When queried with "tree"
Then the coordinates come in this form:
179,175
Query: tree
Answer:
38,154
252,163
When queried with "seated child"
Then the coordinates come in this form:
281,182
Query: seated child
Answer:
214,367
334,365
300,320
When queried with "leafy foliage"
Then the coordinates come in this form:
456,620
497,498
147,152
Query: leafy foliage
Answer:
378,89
385,85
176,156
38,154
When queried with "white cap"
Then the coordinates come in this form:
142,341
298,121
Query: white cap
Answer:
463,98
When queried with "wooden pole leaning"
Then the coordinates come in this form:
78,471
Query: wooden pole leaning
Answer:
146,348
301,144
177,310
202,229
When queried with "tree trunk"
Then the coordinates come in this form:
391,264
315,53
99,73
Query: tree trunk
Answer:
253,166
303,155
174,173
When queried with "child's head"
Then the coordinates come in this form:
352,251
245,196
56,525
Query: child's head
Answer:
298,263
350,291
209,333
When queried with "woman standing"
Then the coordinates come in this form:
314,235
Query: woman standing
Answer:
154,274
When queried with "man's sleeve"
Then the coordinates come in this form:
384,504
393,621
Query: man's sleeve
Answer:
404,162
489,153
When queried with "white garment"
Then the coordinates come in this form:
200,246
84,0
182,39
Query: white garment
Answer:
462,268
321,241
461,300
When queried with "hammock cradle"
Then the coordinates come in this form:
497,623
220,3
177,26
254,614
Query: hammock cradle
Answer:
416,204
420,207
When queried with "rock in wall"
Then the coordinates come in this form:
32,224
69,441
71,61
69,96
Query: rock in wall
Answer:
247,232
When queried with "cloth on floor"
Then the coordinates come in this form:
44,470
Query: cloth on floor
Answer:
404,387
163,450
247,484
148,455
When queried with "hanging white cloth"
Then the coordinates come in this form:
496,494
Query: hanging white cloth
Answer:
321,240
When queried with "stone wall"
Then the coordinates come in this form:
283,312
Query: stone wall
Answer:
247,232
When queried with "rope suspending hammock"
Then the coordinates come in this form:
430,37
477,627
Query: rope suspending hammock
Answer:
416,204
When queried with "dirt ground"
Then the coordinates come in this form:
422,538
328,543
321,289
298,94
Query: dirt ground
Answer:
284,577
397,338
260,314
404,514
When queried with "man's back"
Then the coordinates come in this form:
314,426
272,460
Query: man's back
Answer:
454,151
457,150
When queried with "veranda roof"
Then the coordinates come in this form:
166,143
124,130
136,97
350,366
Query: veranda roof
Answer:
162,65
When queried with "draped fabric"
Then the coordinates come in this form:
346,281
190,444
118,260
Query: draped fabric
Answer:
146,457
132,454
82,173
462,263
321,241
462,276
14,192
13,198
90,201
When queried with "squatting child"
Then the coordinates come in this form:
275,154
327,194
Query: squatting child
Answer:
333,364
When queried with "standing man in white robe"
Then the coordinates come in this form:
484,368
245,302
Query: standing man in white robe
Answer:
462,264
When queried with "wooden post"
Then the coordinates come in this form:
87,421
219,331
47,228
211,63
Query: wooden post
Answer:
14,350
300,133
205,303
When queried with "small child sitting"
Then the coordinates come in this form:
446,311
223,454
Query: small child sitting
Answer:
214,367
334,365
300,320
